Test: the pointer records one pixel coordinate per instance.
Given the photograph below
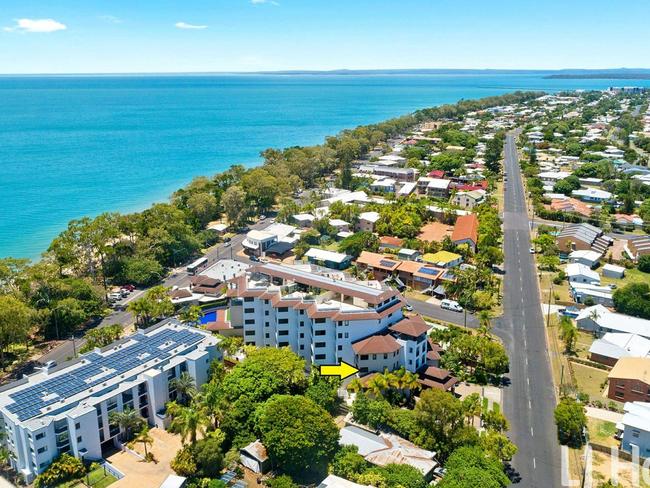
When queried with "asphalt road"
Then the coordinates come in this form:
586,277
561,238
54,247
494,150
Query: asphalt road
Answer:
530,398
434,311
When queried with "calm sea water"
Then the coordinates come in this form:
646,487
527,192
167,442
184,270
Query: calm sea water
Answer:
76,146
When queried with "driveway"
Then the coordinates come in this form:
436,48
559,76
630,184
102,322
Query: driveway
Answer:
602,414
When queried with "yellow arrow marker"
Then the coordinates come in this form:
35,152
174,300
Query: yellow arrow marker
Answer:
343,370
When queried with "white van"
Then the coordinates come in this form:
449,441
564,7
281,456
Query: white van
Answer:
452,305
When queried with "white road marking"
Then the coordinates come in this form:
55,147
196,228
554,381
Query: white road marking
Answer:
529,405
531,432
534,464
528,381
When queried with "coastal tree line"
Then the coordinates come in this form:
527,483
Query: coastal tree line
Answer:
68,286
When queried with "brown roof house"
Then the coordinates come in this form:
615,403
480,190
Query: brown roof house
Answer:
466,231
255,458
629,380
379,265
377,353
439,378
434,232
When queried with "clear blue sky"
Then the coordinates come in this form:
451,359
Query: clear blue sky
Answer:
67,36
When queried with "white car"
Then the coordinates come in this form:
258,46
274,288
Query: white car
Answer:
532,250
452,305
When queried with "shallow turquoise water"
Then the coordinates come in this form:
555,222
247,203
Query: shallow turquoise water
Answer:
75,146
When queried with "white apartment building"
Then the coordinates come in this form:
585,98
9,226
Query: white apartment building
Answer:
318,313
66,410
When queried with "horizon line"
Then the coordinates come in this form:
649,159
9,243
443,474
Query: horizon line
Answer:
349,71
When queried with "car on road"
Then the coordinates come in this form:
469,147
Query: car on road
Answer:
408,307
115,296
226,244
452,305
255,259
262,217
532,250
129,287
48,365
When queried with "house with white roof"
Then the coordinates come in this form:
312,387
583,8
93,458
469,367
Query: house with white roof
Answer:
592,195
579,273
613,271
552,177
303,220
333,481
585,257
367,221
329,259
601,320
469,199
591,294
615,345
635,428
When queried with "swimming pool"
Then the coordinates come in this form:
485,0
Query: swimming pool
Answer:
209,317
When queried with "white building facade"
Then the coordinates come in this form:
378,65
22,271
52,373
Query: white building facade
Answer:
67,410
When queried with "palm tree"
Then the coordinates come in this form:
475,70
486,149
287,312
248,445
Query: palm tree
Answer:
472,406
144,438
377,384
185,387
410,383
127,420
188,422
212,402
191,314
484,319
355,385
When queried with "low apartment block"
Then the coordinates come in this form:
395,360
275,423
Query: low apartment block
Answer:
66,410
322,315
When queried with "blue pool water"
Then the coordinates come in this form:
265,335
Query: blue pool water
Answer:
72,146
209,317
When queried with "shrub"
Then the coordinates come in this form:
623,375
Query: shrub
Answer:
64,468
644,263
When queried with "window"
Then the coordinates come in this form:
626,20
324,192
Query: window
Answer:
635,433
302,312
340,335
410,350
363,357
249,321
347,335
319,344
266,324
77,426
339,347
283,344
302,347
79,439
267,335
283,321
283,309
249,299
249,333
266,312
302,335
266,302
374,356
41,450
320,333
40,436
320,356
320,320
249,310
283,332
302,324
385,356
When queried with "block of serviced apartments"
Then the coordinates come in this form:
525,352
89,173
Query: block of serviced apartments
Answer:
66,409
326,317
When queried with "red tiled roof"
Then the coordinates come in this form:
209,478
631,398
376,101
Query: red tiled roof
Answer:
436,373
436,173
377,261
413,326
377,344
466,228
391,241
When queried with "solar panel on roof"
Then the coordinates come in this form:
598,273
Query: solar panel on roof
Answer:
387,263
428,271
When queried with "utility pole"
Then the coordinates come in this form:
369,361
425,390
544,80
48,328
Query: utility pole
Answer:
74,347
548,312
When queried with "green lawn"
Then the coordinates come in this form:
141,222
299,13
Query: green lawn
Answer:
631,275
589,379
602,432
96,477
583,343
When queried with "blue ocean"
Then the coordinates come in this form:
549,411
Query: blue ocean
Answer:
72,146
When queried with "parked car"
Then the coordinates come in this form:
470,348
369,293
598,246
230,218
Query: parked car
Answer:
532,250
226,244
408,307
129,287
452,305
255,259
49,365
115,296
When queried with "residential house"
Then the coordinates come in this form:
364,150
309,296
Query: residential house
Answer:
469,199
586,258
303,220
390,243
629,380
378,353
443,259
570,205
635,428
466,231
328,259
367,221
588,293
615,345
333,481
340,225
579,273
383,449
409,254
379,265
582,237
592,195
411,334
600,320
434,187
